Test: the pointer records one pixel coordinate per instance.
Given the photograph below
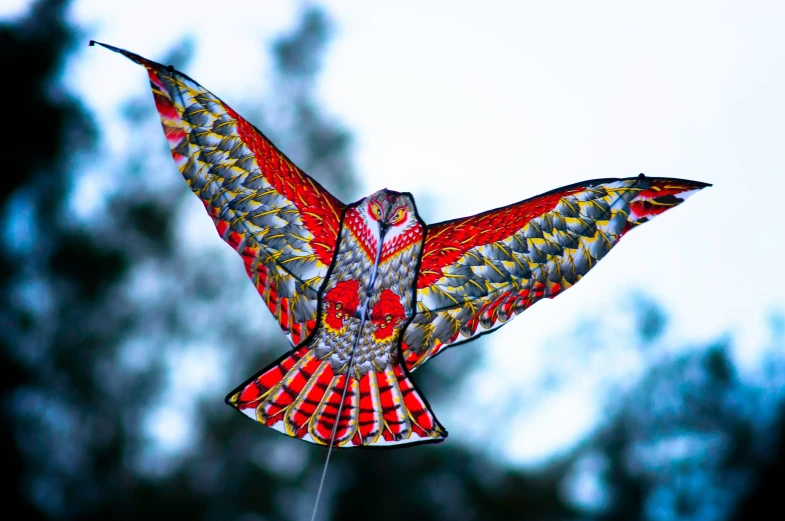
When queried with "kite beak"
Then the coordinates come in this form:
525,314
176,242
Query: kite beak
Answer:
384,227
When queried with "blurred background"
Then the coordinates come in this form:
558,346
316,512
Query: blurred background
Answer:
653,390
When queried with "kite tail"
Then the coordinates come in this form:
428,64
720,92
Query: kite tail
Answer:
300,395
269,396
405,414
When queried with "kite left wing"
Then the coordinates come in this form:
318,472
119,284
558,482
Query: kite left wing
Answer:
283,223
478,272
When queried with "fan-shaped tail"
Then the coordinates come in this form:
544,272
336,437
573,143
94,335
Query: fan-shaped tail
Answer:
300,395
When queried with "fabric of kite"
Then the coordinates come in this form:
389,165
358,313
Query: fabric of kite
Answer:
367,292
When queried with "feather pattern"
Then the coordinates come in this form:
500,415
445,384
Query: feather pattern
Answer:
479,272
282,222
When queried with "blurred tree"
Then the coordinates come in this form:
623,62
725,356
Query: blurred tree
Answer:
47,124
109,317
689,440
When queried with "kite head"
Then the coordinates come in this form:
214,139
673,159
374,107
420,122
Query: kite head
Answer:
389,214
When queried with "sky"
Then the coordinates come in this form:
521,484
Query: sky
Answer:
472,106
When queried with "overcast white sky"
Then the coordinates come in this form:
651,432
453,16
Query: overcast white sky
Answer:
476,105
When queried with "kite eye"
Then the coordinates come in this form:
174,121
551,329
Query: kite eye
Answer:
399,216
376,211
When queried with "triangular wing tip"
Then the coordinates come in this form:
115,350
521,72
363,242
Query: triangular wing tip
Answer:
698,184
149,64
131,56
93,43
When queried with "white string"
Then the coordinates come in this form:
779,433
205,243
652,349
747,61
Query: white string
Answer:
363,316
335,429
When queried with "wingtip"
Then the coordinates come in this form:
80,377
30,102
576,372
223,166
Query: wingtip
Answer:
698,184
93,43
128,54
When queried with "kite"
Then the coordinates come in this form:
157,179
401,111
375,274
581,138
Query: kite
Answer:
367,292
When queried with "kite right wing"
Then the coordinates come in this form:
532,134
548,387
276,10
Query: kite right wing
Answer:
478,272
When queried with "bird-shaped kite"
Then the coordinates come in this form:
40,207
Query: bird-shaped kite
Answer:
367,292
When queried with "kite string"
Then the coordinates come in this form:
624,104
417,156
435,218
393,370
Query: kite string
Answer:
363,316
335,429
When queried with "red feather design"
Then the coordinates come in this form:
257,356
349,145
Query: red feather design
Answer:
478,272
283,223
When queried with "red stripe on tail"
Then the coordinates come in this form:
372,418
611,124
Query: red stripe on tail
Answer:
302,410
326,414
300,395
